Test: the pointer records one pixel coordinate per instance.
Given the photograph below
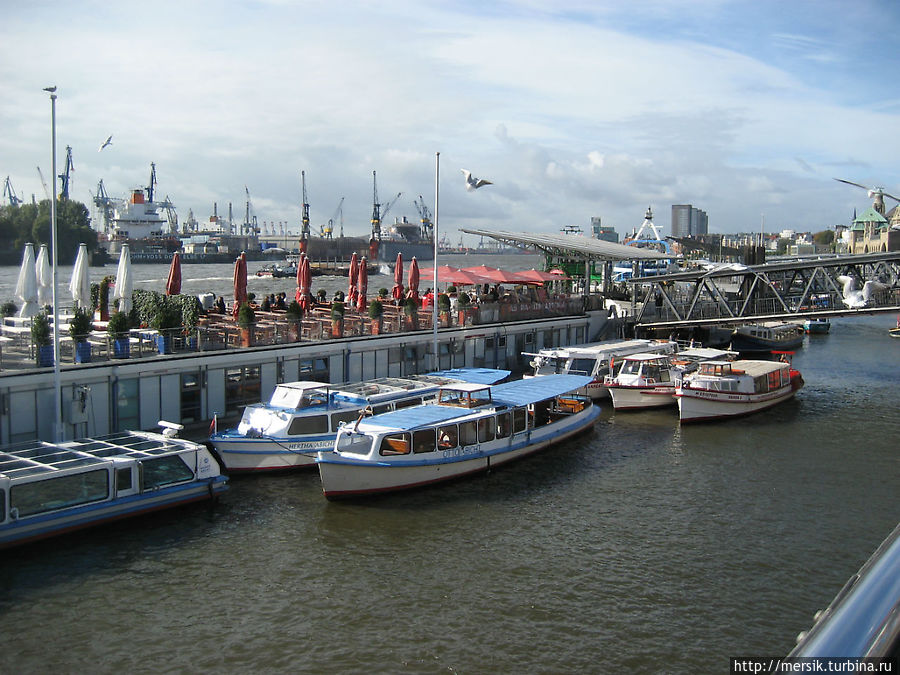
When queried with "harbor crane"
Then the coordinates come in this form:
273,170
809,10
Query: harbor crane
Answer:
105,205
877,193
304,212
378,214
152,185
424,216
44,183
65,176
10,194
250,223
328,228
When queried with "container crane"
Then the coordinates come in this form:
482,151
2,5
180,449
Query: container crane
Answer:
10,194
378,214
328,228
304,213
104,203
65,175
424,217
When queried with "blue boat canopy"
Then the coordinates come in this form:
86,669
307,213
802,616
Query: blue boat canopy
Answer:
532,390
474,375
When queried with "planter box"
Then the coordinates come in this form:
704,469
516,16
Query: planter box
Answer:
247,337
164,344
82,352
45,356
121,348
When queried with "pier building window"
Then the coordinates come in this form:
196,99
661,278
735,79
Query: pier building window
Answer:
127,405
314,369
165,471
59,493
190,397
242,386
308,424
423,440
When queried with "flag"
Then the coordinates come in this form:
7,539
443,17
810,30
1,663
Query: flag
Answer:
214,425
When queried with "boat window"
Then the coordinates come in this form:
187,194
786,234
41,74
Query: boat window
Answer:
123,479
486,429
448,437
346,416
408,403
423,440
2,505
308,424
630,368
358,444
468,434
581,366
759,384
165,471
59,493
663,375
504,425
378,409
519,418
395,444
774,379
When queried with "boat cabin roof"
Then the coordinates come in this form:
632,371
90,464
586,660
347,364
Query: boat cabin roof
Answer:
39,457
753,368
299,394
647,357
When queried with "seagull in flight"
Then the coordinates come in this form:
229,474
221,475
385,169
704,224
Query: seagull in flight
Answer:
108,141
473,183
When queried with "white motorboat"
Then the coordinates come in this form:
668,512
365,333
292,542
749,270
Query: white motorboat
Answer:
597,360
48,489
303,417
470,428
766,337
649,380
720,389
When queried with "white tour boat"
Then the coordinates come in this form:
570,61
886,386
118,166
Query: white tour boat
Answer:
766,337
470,428
303,417
649,380
720,389
48,489
597,360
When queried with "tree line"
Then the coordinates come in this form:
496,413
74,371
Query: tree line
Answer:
26,222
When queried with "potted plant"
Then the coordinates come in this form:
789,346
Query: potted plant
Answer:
117,329
246,320
382,294
40,335
411,310
337,318
294,314
444,309
166,319
8,308
80,326
376,314
465,305
103,298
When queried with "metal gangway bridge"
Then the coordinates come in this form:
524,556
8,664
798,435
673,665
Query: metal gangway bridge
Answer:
729,293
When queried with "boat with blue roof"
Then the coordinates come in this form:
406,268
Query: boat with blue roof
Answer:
49,489
470,428
303,417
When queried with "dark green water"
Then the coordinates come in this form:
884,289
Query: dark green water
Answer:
641,547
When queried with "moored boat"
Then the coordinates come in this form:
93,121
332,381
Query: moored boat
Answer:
720,389
303,417
48,489
819,325
766,337
469,429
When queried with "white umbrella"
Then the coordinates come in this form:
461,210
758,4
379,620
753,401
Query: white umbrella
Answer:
26,287
80,285
124,282
44,277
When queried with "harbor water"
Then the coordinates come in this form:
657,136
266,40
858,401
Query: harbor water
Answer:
641,546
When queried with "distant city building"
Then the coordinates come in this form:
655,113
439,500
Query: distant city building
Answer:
871,233
604,232
688,221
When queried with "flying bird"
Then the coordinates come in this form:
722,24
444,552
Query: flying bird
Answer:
108,141
854,298
473,183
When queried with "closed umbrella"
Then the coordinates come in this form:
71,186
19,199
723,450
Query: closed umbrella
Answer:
413,281
304,282
26,286
80,285
352,276
397,290
173,283
240,283
362,285
124,280
44,277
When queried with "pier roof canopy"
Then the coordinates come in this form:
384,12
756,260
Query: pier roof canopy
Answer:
572,244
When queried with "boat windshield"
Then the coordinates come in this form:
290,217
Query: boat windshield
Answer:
581,367
357,444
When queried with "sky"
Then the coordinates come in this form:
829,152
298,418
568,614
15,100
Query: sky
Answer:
573,109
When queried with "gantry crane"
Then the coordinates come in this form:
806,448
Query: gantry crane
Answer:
106,207
424,217
328,228
304,212
66,175
10,194
379,213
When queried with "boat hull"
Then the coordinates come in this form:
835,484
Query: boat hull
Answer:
344,478
641,397
240,454
697,405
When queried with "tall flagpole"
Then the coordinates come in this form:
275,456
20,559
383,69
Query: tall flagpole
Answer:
434,234
57,386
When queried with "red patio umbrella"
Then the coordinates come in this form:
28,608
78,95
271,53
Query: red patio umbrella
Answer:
352,277
413,281
362,285
397,290
452,275
173,283
493,274
534,276
240,283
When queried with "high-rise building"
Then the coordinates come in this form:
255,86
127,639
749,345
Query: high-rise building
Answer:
688,220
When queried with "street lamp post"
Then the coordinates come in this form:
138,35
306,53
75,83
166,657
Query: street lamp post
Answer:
57,386
434,234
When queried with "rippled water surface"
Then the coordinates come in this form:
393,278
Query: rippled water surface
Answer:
639,547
